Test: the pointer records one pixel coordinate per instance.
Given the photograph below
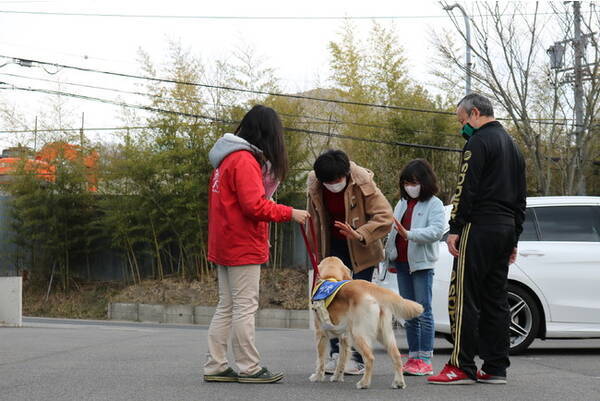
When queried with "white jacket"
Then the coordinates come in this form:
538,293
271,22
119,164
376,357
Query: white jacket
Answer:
426,229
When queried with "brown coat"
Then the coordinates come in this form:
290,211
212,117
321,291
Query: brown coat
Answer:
367,211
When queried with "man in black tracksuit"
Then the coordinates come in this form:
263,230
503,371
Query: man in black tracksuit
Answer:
486,221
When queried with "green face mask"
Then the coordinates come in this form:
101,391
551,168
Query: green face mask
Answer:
467,131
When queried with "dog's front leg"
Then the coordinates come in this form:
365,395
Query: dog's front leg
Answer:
345,350
321,340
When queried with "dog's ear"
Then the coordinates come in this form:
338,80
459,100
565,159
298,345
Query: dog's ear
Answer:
324,268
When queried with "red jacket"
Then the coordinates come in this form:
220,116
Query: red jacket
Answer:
238,212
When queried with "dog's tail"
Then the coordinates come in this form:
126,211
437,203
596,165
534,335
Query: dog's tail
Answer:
400,307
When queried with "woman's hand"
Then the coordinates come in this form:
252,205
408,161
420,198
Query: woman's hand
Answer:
348,231
513,256
401,230
300,216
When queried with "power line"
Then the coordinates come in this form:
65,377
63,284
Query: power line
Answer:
133,128
194,100
85,56
247,18
380,141
104,88
366,125
141,127
223,17
220,120
28,62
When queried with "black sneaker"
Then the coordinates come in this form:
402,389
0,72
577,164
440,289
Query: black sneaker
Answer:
228,375
483,377
262,376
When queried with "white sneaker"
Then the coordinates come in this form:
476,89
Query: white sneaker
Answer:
354,368
331,364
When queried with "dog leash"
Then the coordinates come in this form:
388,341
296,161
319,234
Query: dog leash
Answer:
312,252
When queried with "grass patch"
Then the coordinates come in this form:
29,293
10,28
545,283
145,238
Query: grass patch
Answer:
89,301
280,289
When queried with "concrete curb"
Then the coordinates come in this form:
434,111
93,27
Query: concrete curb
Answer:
189,314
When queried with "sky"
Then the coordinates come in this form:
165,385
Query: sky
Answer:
295,48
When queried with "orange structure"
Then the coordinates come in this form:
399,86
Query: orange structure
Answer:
10,165
43,163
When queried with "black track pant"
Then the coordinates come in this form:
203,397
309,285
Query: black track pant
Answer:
478,300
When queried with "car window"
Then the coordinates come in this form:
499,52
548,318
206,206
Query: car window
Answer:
529,231
568,223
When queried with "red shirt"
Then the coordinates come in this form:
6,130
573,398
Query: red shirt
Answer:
336,208
238,212
401,243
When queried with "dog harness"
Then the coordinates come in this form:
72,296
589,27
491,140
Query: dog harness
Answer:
327,289
323,294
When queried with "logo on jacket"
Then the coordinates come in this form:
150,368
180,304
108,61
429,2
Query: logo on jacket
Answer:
215,183
459,186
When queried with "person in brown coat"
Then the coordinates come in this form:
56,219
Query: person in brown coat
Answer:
351,216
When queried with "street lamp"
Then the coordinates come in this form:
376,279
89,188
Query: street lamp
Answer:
468,39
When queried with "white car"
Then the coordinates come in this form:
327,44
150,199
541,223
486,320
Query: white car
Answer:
554,285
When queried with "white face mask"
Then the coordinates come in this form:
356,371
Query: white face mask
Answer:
337,187
413,190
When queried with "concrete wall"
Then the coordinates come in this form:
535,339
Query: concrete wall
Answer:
11,301
8,250
188,314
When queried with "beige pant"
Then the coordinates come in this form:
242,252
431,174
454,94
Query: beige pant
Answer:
234,317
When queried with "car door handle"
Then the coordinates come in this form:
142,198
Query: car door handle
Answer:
531,253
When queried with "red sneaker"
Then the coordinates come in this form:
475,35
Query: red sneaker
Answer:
417,367
425,369
411,367
451,375
483,377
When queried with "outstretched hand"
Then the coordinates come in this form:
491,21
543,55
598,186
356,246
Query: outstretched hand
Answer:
347,231
400,228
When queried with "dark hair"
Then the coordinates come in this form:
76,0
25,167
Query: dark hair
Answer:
475,100
419,170
262,128
331,165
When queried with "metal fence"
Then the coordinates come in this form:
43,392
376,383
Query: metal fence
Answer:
109,264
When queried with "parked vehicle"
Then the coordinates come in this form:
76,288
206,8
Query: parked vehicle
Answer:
554,285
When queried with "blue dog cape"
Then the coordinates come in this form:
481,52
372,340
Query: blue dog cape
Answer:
327,289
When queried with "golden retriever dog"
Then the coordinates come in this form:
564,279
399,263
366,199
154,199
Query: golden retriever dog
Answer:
361,313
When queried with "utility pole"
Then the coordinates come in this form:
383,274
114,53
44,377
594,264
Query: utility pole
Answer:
556,53
81,131
35,136
468,40
578,48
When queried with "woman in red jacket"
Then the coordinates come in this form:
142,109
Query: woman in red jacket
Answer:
248,167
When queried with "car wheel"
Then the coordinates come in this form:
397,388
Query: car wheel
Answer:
524,318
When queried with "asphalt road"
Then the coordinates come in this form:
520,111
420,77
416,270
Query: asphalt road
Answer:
51,359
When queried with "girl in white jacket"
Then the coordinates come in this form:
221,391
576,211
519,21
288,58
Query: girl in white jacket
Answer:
412,250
